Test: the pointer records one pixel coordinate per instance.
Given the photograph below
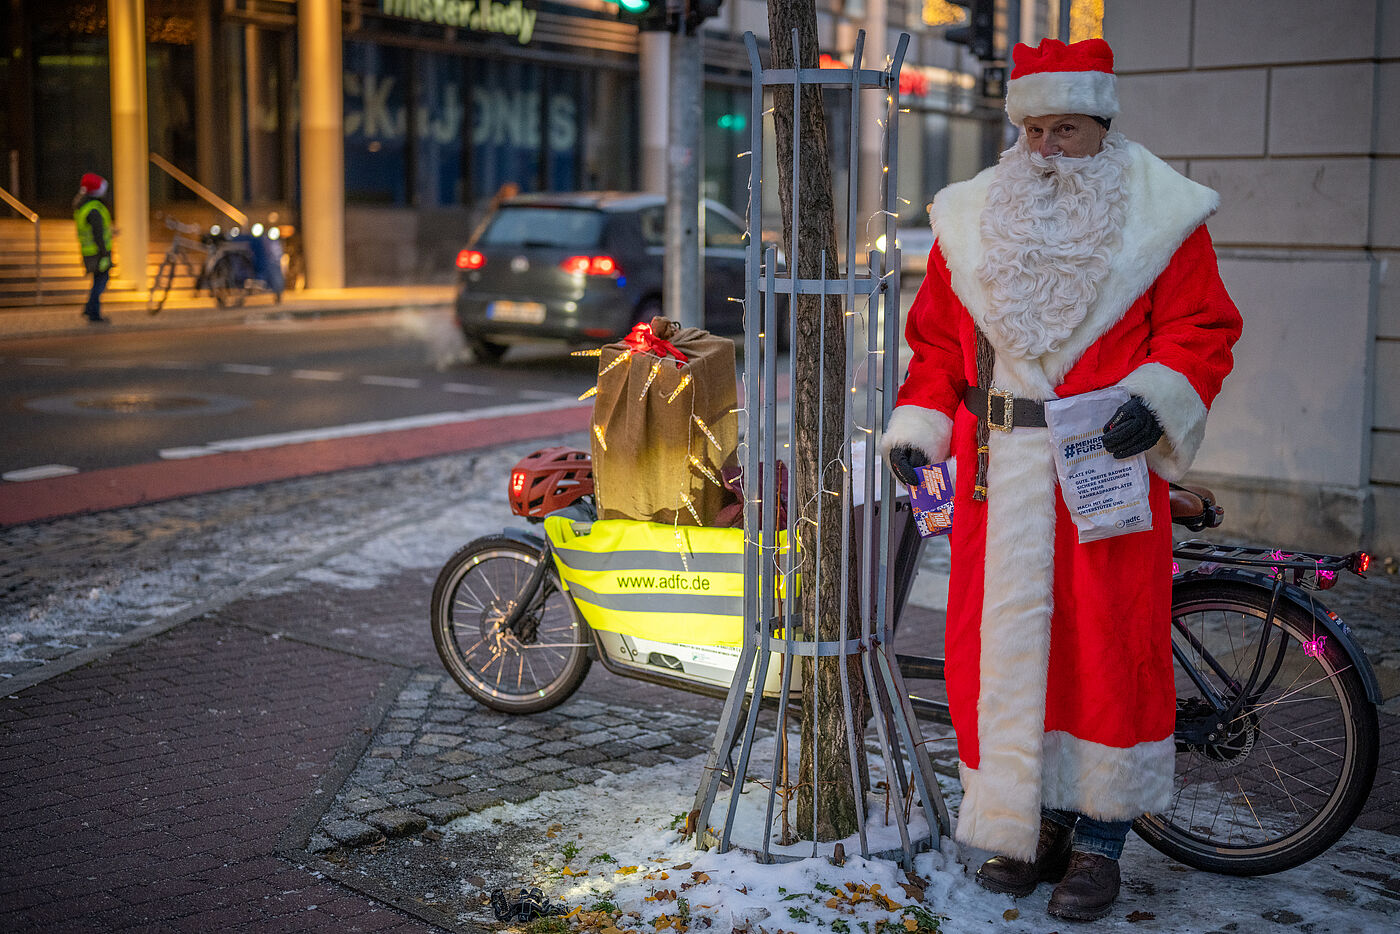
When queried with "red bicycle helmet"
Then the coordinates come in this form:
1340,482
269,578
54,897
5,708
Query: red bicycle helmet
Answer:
548,480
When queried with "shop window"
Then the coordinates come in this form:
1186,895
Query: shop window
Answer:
440,121
376,124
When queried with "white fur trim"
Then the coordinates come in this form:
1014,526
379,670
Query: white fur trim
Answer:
929,430
1179,411
1062,92
1161,209
1001,797
1106,782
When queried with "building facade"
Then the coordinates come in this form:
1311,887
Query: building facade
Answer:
1286,107
444,103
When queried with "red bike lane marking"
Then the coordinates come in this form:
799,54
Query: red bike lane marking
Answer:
115,487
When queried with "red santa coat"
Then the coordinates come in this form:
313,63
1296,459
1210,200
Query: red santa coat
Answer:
1059,669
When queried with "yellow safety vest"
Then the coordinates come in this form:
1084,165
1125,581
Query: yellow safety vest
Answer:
86,241
655,581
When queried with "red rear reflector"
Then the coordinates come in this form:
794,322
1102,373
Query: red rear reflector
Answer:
589,266
470,259
1363,563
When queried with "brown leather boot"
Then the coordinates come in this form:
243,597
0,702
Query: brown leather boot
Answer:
1016,877
1088,890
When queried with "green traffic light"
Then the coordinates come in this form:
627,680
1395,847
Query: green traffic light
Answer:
633,6
735,122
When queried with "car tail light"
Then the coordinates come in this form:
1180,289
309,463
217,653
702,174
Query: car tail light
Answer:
471,259
590,266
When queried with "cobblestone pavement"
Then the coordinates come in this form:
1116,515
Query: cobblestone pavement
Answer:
439,756
208,700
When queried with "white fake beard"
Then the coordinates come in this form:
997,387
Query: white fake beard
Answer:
1049,229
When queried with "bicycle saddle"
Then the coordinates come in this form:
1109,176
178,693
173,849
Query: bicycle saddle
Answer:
1194,507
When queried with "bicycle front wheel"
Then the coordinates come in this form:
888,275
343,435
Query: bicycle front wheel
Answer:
1285,779
160,290
530,667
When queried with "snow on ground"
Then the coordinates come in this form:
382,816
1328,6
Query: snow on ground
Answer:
618,858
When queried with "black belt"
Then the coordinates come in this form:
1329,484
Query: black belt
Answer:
1002,411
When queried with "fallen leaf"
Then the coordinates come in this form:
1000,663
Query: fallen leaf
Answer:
569,871
681,866
1141,916
665,875
698,877
910,924
912,891
1011,914
625,870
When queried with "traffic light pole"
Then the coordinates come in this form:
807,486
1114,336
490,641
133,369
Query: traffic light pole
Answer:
684,282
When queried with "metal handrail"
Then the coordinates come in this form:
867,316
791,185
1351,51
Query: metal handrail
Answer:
219,204
33,218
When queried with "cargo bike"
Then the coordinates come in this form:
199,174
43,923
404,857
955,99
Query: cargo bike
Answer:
1277,738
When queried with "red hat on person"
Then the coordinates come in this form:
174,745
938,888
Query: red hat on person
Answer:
93,184
1054,78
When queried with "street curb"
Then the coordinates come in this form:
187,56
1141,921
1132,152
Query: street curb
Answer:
118,487
127,317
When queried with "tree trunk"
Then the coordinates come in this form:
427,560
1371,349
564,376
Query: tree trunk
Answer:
824,740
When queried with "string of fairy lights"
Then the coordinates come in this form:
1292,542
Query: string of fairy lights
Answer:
866,364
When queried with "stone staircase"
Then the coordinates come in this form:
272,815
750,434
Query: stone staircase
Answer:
59,278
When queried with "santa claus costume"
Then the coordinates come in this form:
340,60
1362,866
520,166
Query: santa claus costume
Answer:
1082,274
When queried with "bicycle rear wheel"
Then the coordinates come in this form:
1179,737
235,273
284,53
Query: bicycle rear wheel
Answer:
228,279
530,668
1283,781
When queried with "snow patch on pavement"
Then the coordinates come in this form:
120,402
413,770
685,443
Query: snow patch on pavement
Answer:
613,843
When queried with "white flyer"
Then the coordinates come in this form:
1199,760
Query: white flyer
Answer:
1105,496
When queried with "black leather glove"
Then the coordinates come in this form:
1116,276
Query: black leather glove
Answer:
1132,429
905,459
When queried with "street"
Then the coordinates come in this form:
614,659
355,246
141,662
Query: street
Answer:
110,399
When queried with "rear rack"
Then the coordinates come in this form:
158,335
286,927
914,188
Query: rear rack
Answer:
1196,550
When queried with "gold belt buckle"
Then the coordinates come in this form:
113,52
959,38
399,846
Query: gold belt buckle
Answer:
1008,416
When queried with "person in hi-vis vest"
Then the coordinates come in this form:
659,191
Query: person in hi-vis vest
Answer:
94,220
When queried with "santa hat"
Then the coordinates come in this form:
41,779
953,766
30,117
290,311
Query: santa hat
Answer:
93,184
1055,78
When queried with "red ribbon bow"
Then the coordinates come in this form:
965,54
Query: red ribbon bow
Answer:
644,340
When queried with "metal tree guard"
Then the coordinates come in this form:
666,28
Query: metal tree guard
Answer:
765,559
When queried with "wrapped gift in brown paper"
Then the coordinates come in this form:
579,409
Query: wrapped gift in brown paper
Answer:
663,432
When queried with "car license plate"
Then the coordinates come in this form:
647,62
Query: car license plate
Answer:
516,312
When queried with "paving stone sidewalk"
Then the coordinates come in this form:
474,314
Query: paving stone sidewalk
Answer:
439,756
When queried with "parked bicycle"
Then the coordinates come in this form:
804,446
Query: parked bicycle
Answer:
229,264
1277,738
188,252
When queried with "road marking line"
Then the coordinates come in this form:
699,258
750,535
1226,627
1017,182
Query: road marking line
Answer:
541,394
176,365
39,473
401,382
259,442
43,361
325,376
251,369
467,388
